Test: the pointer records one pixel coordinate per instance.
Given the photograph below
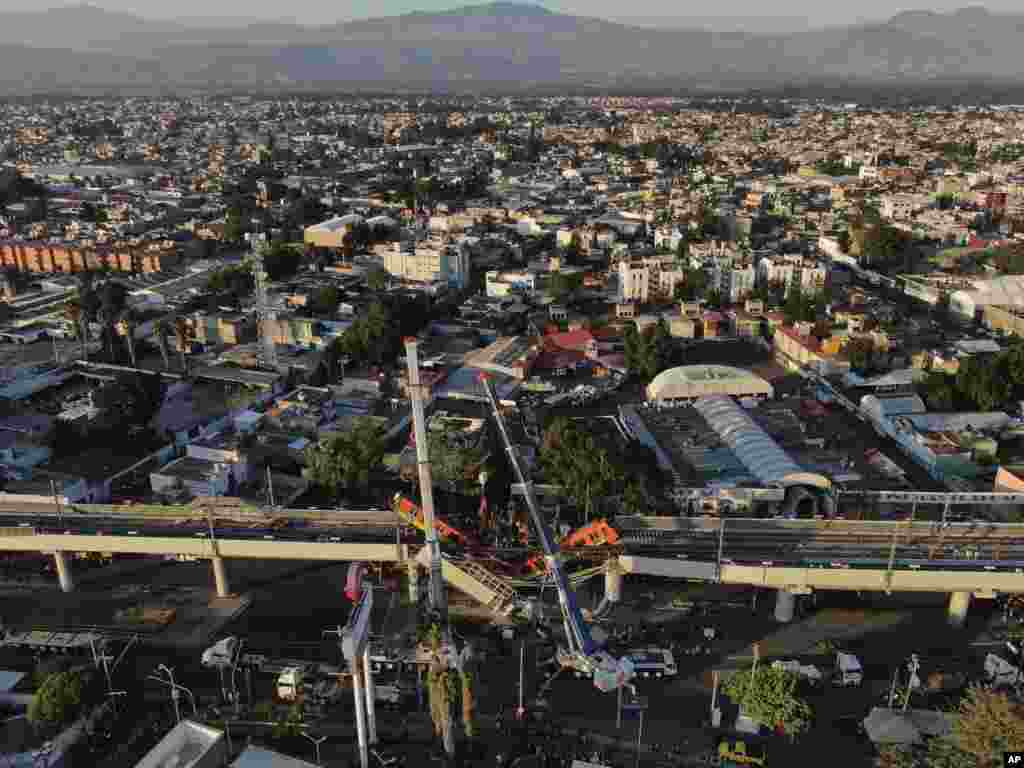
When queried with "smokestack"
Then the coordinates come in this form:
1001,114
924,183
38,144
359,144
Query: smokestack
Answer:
437,589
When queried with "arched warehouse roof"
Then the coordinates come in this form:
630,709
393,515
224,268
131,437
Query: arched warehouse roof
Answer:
692,381
757,451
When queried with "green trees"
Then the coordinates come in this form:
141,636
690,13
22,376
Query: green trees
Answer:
986,383
325,301
683,253
982,383
769,696
238,281
454,464
345,461
694,285
281,261
135,396
377,279
233,225
939,391
843,238
58,700
987,724
572,459
650,352
561,284
371,337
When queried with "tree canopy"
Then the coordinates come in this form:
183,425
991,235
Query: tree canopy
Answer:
650,352
572,459
281,261
769,696
982,382
58,699
236,280
345,460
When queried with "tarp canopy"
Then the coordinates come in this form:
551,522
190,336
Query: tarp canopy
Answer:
891,726
754,447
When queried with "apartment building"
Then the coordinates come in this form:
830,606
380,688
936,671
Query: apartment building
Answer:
222,329
52,257
898,207
791,269
634,282
735,282
429,262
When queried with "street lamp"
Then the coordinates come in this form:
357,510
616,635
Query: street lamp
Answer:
175,691
316,743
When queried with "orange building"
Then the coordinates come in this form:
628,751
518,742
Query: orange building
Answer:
47,257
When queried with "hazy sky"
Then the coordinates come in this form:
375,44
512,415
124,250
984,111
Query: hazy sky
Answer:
801,13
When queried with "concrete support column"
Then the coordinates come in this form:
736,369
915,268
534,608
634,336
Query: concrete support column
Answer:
959,604
220,576
612,582
785,605
360,700
414,582
64,575
371,699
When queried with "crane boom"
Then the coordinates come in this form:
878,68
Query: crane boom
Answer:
584,653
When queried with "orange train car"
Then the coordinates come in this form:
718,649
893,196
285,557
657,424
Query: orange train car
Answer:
413,515
596,534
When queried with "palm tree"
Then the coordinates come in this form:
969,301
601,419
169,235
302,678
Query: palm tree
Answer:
162,330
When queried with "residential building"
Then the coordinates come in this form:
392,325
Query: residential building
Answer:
38,256
898,207
429,262
634,282
500,284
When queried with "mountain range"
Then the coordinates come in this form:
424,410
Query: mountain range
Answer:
502,45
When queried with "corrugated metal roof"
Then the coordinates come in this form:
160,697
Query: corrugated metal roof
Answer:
752,445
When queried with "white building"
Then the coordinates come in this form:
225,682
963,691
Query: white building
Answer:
735,283
1007,290
429,262
898,207
500,284
634,282
789,269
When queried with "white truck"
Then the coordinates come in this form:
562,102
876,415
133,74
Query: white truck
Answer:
848,671
807,672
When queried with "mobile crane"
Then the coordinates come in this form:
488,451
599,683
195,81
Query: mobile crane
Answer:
581,653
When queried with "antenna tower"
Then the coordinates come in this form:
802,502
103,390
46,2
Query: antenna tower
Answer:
266,316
